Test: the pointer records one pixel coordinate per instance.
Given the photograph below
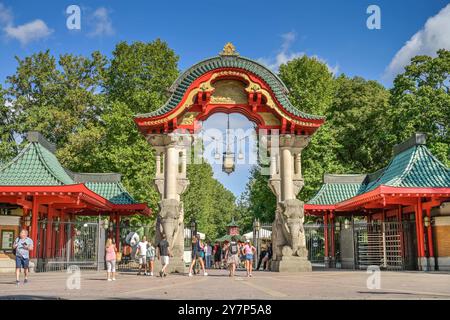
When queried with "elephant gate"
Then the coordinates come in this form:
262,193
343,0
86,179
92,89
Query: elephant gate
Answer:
229,83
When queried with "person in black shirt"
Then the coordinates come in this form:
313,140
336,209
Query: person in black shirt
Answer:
163,255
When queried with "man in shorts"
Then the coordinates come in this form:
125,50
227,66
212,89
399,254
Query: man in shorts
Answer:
22,245
163,255
141,253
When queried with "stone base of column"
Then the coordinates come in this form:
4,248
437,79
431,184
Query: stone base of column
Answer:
426,264
176,265
291,264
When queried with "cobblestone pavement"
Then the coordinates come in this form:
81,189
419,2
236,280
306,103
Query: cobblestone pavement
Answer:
333,284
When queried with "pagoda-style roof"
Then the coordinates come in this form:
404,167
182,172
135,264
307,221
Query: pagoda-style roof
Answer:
337,188
228,59
413,165
232,223
108,185
412,168
36,166
230,238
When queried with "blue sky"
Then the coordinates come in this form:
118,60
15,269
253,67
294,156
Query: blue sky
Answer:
269,31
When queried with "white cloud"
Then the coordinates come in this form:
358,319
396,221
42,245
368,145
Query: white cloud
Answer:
6,16
102,23
25,33
31,31
433,36
285,55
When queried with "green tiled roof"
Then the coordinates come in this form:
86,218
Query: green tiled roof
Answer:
37,165
34,166
232,223
183,82
331,193
413,166
115,192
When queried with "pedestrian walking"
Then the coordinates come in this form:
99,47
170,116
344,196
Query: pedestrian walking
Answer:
22,247
151,253
163,255
208,254
263,257
141,253
110,258
249,250
217,252
232,257
197,255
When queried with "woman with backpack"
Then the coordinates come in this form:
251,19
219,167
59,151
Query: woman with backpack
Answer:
232,257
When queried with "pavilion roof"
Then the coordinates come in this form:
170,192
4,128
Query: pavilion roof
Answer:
108,185
412,166
232,223
337,188
36,165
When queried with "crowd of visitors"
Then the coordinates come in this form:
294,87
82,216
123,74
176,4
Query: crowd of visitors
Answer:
231,255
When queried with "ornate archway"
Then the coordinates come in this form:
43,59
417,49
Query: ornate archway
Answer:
230,83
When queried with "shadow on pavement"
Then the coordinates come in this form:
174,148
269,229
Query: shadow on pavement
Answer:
29,297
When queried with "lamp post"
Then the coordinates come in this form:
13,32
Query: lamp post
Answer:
256,236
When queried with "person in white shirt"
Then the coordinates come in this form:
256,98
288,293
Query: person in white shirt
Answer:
141,253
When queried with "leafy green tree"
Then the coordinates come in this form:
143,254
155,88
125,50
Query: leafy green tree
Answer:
57,98
420,102
310,84
8,146
140,74
358,117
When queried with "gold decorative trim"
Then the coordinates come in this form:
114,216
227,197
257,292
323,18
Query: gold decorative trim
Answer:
229,50
251,88
189,118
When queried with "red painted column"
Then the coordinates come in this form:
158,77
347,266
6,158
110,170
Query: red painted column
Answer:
117,231
34,226
417,230
49,231
430,235
421,229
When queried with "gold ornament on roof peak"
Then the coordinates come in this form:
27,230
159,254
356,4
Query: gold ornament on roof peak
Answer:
229,50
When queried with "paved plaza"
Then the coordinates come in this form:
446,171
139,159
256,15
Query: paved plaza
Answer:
332,284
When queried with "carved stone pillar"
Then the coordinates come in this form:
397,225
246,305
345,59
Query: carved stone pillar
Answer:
171,182
286,181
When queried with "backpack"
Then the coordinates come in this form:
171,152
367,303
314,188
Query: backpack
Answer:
233,248
14,251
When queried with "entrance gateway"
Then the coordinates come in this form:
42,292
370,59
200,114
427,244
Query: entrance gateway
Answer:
228,84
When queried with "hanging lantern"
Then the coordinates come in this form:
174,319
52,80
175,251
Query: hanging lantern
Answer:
228,162
228,156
